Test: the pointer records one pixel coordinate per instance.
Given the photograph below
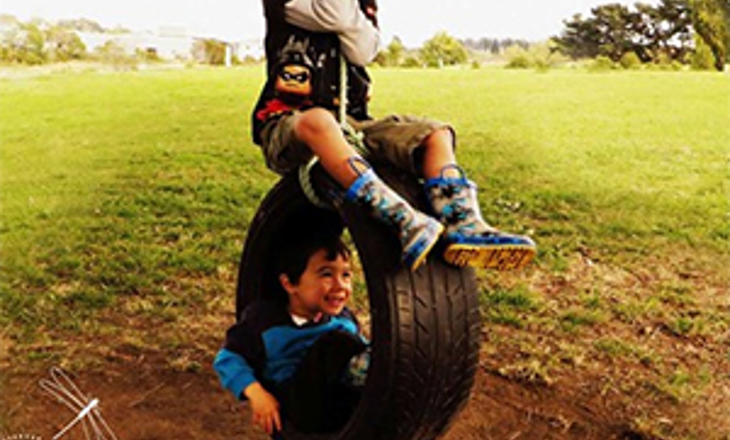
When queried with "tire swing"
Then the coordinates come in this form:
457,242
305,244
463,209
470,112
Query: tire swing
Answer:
425,325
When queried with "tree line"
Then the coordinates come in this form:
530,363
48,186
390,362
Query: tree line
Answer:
693,32
672,33
38,42
673,30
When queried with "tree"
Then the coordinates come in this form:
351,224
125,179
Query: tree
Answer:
630,60
580,38
115,54
210,51
395,52
81,25
32,50
64,45
393,55
517,58
702,58
651,32
673,33
726,13
615,37
710,20
494,45
443,50
9,38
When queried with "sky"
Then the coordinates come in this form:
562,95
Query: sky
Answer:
413,21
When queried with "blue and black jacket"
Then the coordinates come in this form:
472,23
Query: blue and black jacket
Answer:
265,345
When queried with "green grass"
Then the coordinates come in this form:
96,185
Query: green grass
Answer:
129,194
125,198
612,162
508,307
120,184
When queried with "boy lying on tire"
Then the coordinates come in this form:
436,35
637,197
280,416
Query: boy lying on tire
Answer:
302,360
294,121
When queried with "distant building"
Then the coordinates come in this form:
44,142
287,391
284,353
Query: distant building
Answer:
248,49
169,43
165,45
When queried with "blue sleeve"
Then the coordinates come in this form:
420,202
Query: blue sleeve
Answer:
234,372
348,315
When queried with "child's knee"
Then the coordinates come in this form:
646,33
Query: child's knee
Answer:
315,121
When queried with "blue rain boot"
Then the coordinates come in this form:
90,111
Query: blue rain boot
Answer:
418,232
357,369
469,239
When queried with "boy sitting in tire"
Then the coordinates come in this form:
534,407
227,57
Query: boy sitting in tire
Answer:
294,121
301,360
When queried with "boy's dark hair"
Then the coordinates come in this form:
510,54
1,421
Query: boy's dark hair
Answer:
294,257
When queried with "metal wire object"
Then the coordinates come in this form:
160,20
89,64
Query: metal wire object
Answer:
86,409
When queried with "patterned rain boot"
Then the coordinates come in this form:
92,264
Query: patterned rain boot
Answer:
356,372
469,239
418,232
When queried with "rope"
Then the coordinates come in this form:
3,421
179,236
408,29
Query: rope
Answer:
343,90
353,138
305,181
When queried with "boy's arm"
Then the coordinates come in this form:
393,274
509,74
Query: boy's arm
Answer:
243,355
238,377
359,37
264,408
234,372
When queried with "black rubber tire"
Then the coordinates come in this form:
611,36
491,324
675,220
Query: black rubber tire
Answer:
425,325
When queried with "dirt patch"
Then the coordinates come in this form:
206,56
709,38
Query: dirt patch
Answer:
502,409
144,402
644,355
138,403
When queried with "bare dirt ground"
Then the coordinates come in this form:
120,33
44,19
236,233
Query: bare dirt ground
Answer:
614,380
149,404
145,402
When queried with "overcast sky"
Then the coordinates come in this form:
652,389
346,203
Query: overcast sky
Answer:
412,20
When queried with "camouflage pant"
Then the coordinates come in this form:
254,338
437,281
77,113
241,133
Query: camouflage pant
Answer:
394,139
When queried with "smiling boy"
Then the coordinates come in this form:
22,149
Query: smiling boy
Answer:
289,359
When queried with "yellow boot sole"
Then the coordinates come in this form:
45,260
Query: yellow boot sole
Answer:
507,257
427,249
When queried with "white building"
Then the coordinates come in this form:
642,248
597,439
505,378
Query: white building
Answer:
248,49
168,44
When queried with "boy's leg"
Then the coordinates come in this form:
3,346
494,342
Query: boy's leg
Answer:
318,130
470,240
315,398
426,148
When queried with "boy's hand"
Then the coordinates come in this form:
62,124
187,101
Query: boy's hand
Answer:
265,408
370,9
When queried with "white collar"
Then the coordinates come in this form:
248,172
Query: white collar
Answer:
299,320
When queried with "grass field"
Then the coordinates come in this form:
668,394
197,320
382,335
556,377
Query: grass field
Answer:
125,198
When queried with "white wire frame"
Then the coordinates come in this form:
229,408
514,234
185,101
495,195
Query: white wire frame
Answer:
86,409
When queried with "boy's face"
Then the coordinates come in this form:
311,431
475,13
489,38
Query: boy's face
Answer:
324,286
